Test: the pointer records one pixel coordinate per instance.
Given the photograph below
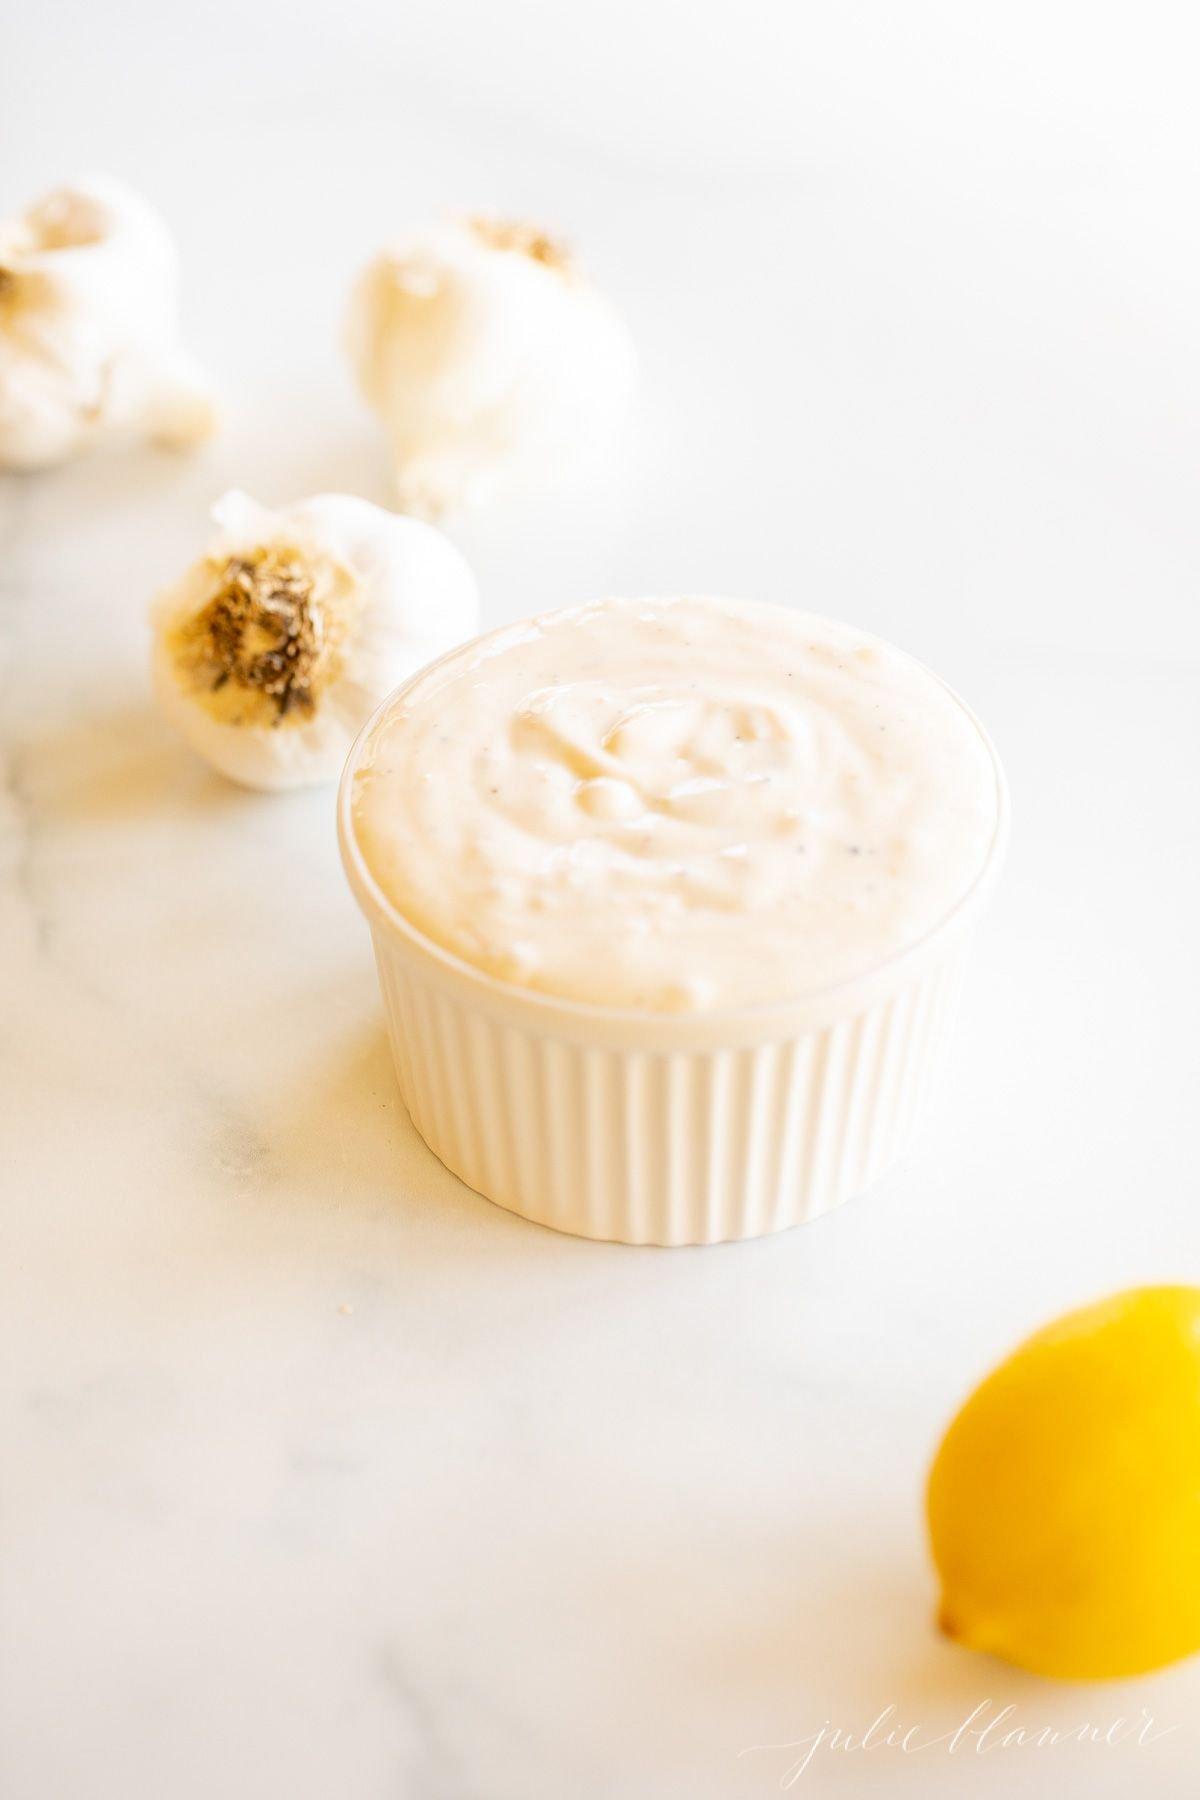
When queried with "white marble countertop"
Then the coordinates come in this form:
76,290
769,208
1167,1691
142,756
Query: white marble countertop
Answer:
323,1476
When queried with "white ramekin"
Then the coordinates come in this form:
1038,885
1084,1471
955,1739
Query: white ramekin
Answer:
666,1128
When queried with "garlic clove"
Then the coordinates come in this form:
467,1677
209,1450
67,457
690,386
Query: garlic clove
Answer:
276,646
495,365
89,328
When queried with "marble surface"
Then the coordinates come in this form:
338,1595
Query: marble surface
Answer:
321,1475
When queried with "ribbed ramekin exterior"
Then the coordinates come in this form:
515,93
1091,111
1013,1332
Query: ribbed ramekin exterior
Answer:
666,1145
666,1128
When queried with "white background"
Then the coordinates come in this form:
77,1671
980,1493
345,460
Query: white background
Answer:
917,292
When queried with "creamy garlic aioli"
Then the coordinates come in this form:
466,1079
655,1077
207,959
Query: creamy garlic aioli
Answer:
675,804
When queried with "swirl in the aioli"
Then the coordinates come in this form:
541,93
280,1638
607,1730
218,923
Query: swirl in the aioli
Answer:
676,804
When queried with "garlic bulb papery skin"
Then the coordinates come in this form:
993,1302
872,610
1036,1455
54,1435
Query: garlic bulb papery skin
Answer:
89,328
494,364
275,648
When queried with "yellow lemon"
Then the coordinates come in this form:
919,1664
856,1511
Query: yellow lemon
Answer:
1064,1501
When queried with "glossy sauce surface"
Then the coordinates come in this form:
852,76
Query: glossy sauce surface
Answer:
675,804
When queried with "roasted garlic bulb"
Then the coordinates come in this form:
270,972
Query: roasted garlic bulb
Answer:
274,649
494,364
89,330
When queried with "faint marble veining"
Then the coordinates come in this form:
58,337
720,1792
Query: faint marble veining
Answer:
22,863
430,1766
27,892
